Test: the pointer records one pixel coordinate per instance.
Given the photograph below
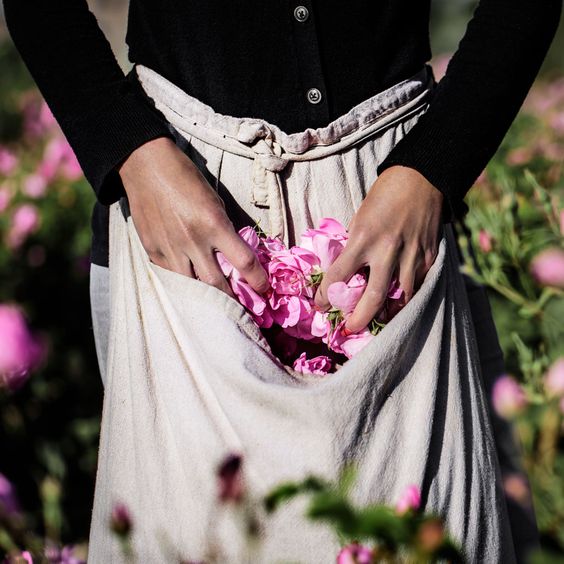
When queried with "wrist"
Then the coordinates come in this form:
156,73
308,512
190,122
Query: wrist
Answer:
143,156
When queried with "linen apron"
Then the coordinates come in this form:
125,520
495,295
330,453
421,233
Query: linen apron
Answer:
190,378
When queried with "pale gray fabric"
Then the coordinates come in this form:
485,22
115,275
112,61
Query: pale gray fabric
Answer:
100,311
190,377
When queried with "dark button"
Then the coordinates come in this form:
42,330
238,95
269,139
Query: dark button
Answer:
301,13
314,96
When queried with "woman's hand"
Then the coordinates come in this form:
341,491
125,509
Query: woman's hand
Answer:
181,219
395,231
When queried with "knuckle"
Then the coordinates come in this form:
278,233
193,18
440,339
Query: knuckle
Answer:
429,258
247,261
376,295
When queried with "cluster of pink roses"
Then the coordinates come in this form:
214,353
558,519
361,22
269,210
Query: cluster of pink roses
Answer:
294,274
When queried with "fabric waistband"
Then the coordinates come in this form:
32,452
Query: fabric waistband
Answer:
272,149
192,115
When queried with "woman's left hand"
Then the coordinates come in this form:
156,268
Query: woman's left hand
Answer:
394,231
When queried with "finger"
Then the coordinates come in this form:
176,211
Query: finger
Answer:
374,297
406,276
344,266
237,251
181,263
207,270
159,259
424,267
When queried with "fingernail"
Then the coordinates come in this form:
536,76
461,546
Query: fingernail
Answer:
317,308
346,332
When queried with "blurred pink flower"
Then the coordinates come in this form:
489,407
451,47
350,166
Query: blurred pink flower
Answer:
551,150
355,553
319,365
482,178
5,197
548,267
38,119
120,520
34,186
519,156
440,64
508,397
8,161
59,157
485,241
554,379
517,488
557,122
8,499
21,351
64,555
326,242
25,220
409,499
230,478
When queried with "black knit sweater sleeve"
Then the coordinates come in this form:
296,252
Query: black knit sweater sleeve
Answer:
103,114
474,104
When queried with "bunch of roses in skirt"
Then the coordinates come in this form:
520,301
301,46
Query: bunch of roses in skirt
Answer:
314,342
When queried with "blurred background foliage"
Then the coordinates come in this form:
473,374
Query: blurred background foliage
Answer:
49,425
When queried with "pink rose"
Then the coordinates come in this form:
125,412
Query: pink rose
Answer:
248,297
355,342
347,344
288,310
508,396
355,554
548,268
326,242
319,365
394,291
344,296
554,379
288,270
311,324
20,352
410,499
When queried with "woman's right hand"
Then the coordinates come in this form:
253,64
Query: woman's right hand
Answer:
181,219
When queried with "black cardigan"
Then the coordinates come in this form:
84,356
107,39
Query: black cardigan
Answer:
257,58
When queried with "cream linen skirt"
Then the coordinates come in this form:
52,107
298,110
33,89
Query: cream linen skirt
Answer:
189,377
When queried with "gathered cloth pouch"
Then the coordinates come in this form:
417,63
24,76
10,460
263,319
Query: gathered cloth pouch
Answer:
190,377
